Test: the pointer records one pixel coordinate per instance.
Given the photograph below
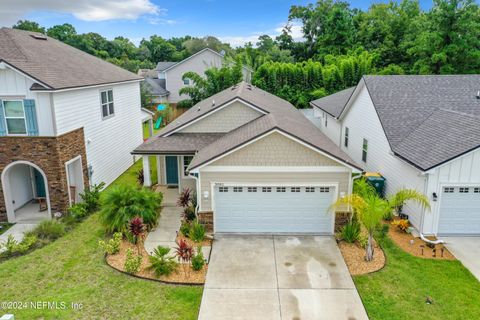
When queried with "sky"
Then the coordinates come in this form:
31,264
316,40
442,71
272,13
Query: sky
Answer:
235,22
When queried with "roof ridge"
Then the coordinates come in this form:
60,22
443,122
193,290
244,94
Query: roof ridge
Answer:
417,127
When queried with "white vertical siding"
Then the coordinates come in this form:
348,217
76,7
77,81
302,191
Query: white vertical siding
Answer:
363,123
464,170
111,139
332,130
16,85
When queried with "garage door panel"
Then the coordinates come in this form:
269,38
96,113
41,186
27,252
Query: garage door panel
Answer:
275,212
459,210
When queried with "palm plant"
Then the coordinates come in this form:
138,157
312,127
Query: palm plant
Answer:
123,203
398,200
370,210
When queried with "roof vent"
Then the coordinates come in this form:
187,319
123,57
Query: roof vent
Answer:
38,36
213,103
478,94
198,109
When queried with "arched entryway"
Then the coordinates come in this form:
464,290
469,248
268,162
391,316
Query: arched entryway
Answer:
25,190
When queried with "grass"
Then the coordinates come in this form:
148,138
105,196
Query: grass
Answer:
130,176
146,130
399,290
72,270
4,227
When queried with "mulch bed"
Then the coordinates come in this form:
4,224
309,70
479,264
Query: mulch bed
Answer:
204,243
354,256
403,240
184,274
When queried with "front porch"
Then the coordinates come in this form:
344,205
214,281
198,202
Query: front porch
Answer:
32,212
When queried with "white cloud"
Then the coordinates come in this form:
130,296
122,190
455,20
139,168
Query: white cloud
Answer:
88,10
237,41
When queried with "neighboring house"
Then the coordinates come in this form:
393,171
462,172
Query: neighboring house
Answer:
170,74
256,163
419,132
67,119
156,89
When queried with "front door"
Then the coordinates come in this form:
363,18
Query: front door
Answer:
171,164
39,184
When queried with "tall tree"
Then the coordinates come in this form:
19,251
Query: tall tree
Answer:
62,32
28,26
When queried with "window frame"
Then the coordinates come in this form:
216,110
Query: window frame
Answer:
185,166
7,118
110,115
364,150
346,137
186,81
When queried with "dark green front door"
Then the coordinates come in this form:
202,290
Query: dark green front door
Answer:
39,184
172,169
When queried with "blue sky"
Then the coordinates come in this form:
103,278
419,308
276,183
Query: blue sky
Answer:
232,21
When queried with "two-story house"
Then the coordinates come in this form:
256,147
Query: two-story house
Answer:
67,119
166,86
419,132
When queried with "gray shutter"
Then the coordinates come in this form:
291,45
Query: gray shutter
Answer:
31,117
3,125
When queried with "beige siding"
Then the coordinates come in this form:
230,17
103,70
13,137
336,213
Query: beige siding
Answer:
225,120
207,178
275,150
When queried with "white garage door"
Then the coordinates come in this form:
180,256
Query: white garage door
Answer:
273,209
460,210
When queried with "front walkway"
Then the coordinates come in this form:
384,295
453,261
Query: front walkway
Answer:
279,277
467,250
17,231
169,223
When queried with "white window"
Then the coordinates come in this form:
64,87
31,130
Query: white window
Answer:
252,189
295,189
309,189
15,116
237,189
186,163
107,103
281,189
266,189
448,190
464,190
223,189
186,82
324,189
364,150
347,132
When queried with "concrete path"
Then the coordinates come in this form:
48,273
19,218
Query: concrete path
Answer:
279,277
166,231
17,230
467,250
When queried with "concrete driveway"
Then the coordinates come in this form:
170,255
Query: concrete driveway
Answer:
467,250
279,277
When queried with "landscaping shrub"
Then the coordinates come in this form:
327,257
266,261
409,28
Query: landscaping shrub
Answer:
112,246
197,231
198,261
124,202
160,263
351,231
185,228
189,213
91,197
185,198
401,224
48,230
384,230
184,251
12,247
136,228
140,177
363,240
132,262
78,211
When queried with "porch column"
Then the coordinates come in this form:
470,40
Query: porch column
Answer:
150,127
147,181
159,171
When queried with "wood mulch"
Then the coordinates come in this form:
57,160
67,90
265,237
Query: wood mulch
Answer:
204,243
354,256
184,274
403,240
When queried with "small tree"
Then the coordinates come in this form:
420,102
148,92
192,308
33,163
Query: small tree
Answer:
398,200
137,230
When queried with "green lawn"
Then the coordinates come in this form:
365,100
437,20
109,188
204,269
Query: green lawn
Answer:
399,290
72,270
4,227
130,176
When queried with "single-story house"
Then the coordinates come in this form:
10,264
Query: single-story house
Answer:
419,132
256,163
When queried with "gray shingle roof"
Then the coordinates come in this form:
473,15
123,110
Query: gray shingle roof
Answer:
178,143
155,87
279,114
162,65
334,103
428,119
54,64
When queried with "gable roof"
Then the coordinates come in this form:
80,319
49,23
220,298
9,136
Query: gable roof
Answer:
162,65
54,64
334,103
155,86
279,115
428,119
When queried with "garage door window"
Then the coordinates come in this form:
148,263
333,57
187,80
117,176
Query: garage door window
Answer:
464,190
281,189
252,189
266,189
237,189
223,189
324,189
448,190
476,190
295,189
309,189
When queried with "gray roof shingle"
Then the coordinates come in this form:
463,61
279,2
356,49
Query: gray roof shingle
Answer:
334,103
428,120
54,64
162,65
155,86
177,143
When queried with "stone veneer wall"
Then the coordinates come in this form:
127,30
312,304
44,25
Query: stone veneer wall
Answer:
50,154
206,219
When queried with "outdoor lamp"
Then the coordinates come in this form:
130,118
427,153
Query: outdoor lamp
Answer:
435,197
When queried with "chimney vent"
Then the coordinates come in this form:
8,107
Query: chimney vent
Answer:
478,94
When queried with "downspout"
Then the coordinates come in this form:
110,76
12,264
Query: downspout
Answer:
195,176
